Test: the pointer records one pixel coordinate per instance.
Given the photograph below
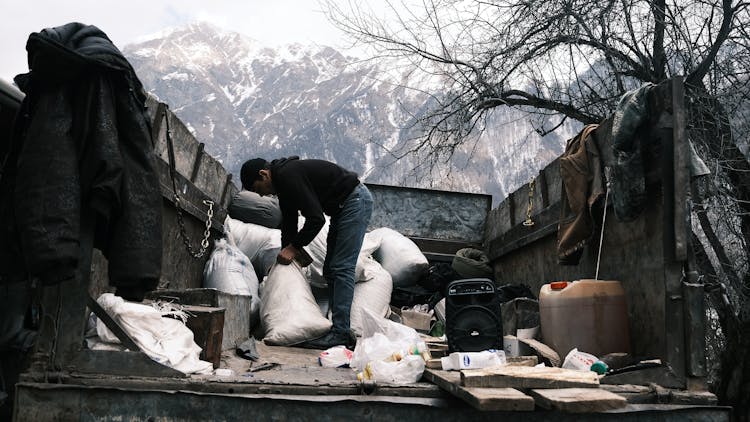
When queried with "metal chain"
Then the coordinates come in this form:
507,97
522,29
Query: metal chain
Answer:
178,204
529,222
183,232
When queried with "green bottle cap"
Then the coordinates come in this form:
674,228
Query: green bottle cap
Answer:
599,367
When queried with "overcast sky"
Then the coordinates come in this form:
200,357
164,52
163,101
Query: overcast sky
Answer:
125,21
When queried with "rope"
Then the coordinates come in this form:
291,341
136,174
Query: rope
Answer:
604,219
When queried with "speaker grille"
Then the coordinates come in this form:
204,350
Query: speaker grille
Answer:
473,321
474,328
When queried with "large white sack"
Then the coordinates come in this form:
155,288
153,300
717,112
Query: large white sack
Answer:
373,293
165,340
260,244
399,255
318,248
289,314
365,268
230,271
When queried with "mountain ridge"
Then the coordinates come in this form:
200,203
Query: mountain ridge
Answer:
243,99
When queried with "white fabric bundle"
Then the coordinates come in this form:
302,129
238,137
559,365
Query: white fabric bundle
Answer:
372,293
288,311
165,340
399,255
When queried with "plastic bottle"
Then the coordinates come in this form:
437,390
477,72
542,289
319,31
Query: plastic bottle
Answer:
473,360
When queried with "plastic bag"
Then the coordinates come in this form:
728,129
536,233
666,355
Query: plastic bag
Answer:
335,357
405,371
373,323
383,339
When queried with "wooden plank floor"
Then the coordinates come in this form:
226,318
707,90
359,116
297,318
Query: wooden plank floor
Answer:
507,399
528,377
578,400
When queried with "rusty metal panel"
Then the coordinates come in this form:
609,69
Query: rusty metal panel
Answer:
53,402
210,177
695,327
681,172
427,213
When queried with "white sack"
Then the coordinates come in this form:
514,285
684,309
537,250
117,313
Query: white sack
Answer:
250,207
288,311
399,255
318,248
230,271
165,340
260,244
373,293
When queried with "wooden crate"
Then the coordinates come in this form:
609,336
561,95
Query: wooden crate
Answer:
207,325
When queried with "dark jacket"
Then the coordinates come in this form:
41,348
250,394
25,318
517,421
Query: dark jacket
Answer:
628,176
581,174
82,146
312,187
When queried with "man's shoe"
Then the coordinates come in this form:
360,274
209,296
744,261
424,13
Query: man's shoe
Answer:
331,339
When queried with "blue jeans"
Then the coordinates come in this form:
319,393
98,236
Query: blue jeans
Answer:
345,235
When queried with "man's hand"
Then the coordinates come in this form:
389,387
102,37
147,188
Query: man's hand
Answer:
287,255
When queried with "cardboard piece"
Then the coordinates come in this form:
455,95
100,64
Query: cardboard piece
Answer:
419,321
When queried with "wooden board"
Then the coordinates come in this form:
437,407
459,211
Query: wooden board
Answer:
528,377
578,400
522,360
436,363
506,399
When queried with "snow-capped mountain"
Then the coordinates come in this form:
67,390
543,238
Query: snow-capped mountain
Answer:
245,100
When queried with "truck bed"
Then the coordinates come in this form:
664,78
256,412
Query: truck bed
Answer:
287,383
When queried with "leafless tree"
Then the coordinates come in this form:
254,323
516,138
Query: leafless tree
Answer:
574,59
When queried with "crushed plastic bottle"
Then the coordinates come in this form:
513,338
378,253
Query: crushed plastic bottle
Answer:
473,360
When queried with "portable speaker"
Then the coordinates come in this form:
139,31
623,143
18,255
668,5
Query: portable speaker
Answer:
472,316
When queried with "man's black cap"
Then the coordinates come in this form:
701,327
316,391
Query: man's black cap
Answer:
251,171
